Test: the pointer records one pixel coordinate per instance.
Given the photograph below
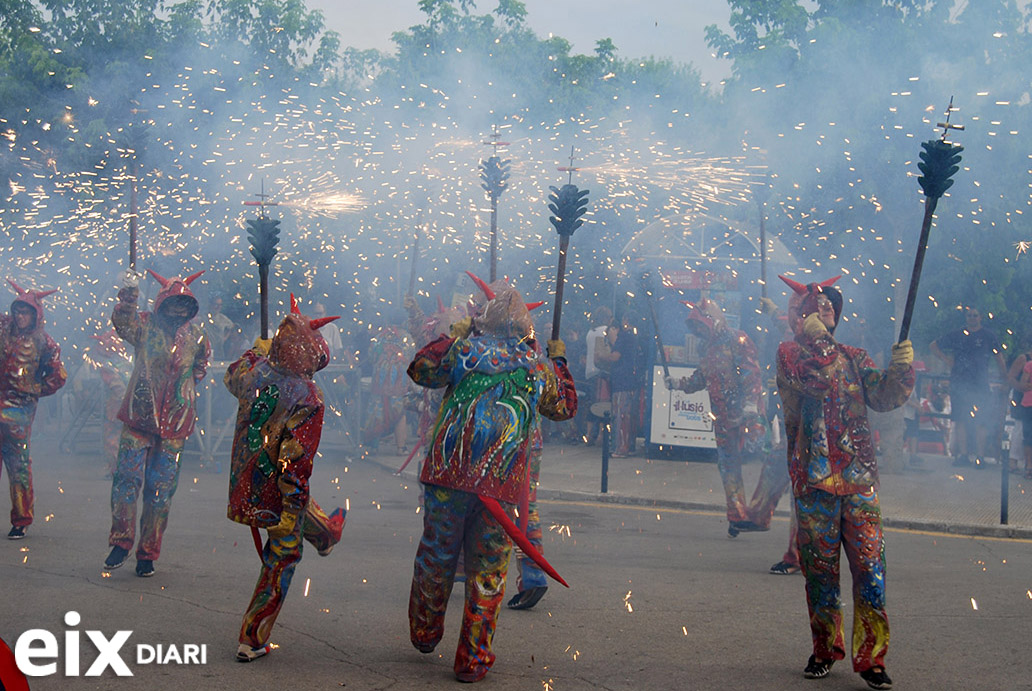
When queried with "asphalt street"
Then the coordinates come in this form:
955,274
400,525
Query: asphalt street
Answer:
659,598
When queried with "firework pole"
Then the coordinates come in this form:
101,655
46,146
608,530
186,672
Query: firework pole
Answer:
938,164
762,193
647,288
135,139
494,176
567,205
263,232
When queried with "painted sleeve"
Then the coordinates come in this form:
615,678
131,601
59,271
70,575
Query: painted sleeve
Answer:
52,375
126,318
887,389
297,452
559,399
239,377
431,367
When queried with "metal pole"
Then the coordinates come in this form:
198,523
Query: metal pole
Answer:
560,280
1004,477
915,277
605,453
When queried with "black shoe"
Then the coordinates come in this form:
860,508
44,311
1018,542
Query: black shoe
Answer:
876,679
736,527
783,568
144,568
818,670
17,532
528,598
116,558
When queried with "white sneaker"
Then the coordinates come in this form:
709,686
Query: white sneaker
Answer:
246,653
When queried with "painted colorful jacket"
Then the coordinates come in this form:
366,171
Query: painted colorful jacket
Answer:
279,424
494,385
729,370
160,399
826,388
30,364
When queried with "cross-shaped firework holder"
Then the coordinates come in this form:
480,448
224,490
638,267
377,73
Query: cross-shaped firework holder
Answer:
939,162
263,232
567,205
494,176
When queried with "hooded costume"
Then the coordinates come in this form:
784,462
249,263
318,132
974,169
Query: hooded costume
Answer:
826,388
171,356
495,384
278,427
729,371
30,367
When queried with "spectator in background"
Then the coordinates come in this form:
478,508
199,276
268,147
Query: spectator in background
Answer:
625,384
329,332
219,328
1019,376
967,353
596,366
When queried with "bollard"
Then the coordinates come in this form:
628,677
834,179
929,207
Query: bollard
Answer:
1005,473
604,411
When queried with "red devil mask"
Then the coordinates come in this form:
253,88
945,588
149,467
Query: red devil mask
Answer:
298,346
502,312
806,296
32,299
173,287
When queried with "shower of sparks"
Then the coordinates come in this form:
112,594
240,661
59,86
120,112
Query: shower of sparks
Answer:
560,529
627,601
1022,247
330,205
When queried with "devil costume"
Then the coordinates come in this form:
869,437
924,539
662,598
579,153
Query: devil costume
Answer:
729,370
279,423
30,367
826,388
495,380
171,357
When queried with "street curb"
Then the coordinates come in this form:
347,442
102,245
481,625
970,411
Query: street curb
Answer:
966,529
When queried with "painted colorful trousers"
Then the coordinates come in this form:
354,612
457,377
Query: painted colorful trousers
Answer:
853,523
530,574
455,523
150,463
14,449
280,557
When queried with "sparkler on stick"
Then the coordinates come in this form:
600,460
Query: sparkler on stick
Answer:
938,163
567,205
263,232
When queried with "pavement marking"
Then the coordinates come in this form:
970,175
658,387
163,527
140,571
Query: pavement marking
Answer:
780,519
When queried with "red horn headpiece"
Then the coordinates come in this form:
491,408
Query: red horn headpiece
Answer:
483,286
158,277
